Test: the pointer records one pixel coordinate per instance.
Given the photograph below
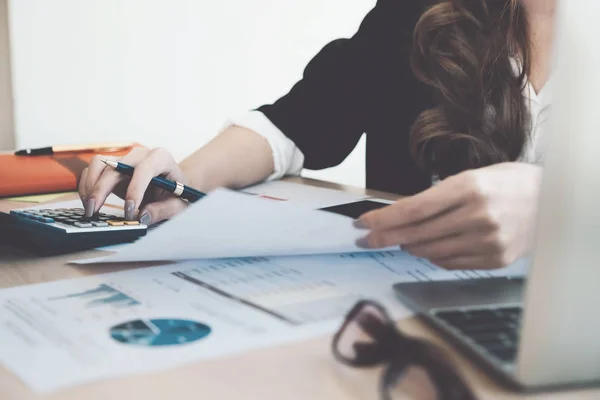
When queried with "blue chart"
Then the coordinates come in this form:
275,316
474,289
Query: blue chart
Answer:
103,295
159,332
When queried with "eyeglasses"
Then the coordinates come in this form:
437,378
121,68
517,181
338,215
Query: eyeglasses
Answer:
369,337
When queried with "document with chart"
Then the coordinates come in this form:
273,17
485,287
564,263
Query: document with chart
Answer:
69,332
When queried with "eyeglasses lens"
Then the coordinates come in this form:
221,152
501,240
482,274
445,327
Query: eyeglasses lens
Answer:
360,340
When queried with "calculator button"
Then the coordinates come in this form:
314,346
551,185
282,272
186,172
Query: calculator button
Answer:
99,224
115,223
70,221
131,222
45,220
83,224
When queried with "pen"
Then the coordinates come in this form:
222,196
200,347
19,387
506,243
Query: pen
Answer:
178,189
48,151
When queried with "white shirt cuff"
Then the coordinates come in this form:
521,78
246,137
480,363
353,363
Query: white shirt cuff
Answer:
287,158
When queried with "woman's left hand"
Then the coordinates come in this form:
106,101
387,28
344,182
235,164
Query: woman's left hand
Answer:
478,219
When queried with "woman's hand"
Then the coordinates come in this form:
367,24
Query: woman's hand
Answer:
98,181
479,219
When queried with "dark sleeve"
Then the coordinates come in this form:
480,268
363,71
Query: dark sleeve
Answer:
327,111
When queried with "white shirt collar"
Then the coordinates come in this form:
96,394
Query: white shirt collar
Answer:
541,99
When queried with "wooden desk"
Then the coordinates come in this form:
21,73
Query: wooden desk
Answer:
300,371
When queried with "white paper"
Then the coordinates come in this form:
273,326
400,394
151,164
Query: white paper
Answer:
59,334
310,196
229,224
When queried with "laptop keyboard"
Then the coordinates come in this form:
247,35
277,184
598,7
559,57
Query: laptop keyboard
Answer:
494,329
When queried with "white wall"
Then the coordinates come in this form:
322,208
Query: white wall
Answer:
164,72
6,109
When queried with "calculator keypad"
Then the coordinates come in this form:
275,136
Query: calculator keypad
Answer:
74,217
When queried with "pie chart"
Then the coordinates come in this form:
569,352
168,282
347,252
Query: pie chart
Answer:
159,332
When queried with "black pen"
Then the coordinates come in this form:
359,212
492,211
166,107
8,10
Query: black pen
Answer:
178,189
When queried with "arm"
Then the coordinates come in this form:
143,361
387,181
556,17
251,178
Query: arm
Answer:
236,158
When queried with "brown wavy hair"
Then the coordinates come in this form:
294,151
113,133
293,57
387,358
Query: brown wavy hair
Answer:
463,49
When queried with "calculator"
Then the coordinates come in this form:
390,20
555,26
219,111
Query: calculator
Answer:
63,230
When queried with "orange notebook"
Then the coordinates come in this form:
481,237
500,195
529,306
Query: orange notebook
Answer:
26,175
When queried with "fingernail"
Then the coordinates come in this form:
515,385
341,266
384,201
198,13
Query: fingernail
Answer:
358,223
363,243
90,207
145,219
129,210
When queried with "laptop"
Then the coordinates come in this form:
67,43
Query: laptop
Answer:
543,331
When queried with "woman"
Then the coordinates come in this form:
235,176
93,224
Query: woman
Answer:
450,94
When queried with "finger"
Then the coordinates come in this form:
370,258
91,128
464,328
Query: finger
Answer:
156,212
158,162
468,262
461,245
444,196
81,189
110,178
460,220
103,187
95,170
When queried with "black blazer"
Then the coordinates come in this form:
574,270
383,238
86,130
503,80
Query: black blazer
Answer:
363,84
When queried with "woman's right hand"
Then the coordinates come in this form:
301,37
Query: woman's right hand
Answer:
154,205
